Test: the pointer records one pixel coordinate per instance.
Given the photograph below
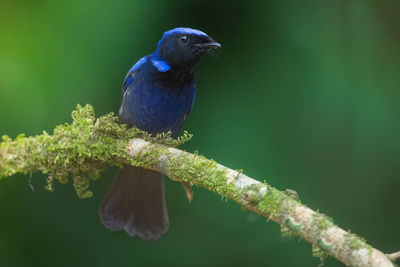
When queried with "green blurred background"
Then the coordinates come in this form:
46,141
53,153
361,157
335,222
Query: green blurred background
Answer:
304,94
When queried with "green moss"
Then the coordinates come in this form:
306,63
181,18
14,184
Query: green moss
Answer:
292,194
271,202
77,151
252,194
286,232
150,156
319,253
355,242
256,187
322,222
203,172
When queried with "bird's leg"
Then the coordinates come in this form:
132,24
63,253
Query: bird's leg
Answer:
188,190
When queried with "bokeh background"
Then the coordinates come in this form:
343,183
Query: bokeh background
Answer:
304,94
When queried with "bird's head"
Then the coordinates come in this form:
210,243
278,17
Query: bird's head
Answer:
179,49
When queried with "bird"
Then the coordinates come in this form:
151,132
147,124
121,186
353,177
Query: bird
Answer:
158,93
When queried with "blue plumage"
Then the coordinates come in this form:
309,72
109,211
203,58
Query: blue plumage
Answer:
155,103
129,76
158,95
159,90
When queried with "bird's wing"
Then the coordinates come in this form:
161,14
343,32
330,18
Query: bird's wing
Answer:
192,96
175,132
132,72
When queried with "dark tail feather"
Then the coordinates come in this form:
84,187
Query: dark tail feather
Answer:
136,203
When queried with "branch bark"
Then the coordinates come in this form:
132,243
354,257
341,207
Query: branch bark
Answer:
82,149
393,256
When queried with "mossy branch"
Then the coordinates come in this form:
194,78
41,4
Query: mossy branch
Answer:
82,149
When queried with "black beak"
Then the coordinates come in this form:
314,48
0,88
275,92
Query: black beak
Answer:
209,46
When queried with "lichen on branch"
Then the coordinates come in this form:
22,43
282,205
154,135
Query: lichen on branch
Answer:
77,151
82,149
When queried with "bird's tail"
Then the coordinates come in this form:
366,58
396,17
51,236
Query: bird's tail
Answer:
136,203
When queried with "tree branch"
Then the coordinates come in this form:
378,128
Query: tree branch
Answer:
85,147
393,256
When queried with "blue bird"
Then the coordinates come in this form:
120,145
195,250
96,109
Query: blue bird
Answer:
157,96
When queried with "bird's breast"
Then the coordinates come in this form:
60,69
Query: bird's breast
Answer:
157,106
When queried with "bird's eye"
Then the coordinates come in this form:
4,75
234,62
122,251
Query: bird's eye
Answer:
184,39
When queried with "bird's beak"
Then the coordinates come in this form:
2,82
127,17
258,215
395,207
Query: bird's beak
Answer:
209,46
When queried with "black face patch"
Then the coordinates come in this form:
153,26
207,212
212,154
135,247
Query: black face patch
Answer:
182,50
